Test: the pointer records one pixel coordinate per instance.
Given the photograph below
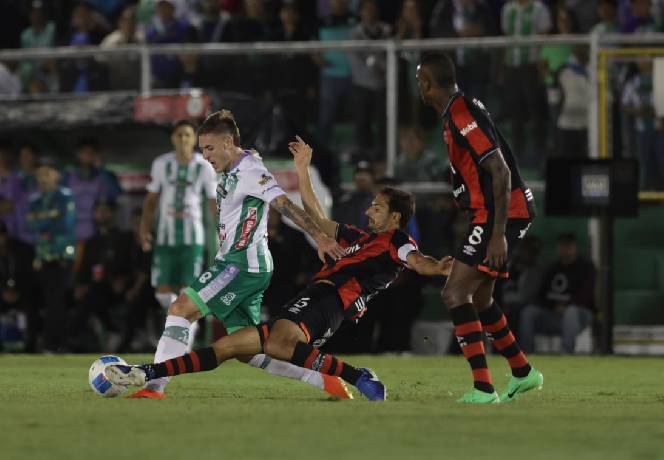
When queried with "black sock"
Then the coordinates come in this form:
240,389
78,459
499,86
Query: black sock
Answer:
468,331
311,358
196,361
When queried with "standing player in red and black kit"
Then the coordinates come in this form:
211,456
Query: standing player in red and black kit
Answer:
487,185
340,291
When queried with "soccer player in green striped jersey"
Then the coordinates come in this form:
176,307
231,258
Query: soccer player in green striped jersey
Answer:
231,289
181,182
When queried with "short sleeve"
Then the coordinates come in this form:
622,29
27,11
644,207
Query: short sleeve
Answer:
475,127
348,234
209,177
402,245
260,182
154,186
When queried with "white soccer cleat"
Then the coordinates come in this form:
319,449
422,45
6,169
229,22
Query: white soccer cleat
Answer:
120,374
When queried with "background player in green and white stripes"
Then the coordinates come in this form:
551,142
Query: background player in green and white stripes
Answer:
232,287
181,183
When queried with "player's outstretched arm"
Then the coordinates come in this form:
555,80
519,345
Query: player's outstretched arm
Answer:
147,219
302,155
429,266
325,244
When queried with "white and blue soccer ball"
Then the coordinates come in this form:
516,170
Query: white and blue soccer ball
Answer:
98,380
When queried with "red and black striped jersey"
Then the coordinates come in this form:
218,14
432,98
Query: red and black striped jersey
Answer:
373,262
471,137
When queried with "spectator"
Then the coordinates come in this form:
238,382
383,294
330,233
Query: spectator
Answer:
415,162
638,102
248,27
640,18
572,121
335,73
102,280
566,302
523,286
352,205
524,91
109,9
87,185
294,75
7,187
84,74
295,259
409,26
465,18
124,71
51,217
40,34
409,23
10,84
552,57
608,14
368,75
26,186
584,12
17,297
139,295
168,70
213,21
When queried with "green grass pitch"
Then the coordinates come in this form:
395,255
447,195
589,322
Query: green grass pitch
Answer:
590,408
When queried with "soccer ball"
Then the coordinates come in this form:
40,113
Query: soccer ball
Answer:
97,378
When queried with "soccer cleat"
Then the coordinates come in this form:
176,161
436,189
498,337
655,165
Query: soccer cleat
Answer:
126,375
369,385
476,396
336,387
517,386
146,393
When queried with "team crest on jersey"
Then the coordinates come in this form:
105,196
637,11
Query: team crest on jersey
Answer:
228,298
264,180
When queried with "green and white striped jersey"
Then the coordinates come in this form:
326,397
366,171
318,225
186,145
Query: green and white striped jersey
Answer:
244,194
183,190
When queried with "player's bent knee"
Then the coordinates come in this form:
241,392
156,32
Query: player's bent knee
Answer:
185,308
452,298
280,347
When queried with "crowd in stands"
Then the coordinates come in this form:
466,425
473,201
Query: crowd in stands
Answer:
544,105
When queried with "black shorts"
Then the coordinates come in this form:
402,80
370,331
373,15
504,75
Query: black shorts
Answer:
473,248
317,310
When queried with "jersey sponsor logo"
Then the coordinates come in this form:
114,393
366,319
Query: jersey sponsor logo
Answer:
353,249
469,250
228,298
459,190
247,227
469,127
264,179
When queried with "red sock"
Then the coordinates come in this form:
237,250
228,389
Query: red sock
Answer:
500,335
468,330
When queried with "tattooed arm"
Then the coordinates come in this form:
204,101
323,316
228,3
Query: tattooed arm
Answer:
326,245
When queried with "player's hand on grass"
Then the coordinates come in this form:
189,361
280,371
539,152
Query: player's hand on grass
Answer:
445,265
328,247
301,152
496,253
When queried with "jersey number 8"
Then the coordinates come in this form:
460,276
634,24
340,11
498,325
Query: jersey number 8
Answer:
476,236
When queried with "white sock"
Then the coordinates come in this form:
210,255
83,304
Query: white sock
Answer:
285,369
173,343
165,299
193,329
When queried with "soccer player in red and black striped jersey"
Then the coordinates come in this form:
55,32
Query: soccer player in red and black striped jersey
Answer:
488,187
340,291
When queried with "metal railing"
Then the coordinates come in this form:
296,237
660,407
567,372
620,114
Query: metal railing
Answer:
392,48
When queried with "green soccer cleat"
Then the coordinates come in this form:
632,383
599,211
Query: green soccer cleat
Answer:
476,396
517,385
